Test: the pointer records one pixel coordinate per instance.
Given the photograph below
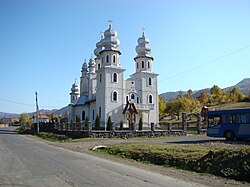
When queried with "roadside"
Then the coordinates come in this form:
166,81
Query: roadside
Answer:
84,146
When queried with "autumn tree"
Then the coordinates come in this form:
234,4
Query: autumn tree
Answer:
218,96
236,95
203,98
25,119
162,107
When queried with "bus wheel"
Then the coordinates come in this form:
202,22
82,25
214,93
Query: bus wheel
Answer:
229,135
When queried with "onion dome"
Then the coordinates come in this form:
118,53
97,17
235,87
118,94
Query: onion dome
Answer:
143,49
84,66
91,62
99,47
74,89
110,41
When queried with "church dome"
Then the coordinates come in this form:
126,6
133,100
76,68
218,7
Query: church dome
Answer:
91,62
110,41
84,66
99,47
74,88
143,48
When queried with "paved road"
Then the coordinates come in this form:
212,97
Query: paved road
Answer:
28,162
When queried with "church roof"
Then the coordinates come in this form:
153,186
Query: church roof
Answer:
81,100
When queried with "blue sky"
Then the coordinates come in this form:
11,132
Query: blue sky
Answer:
43,44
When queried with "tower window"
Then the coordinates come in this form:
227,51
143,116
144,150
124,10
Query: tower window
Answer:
107,59
100,77
114,77
148,64
99,66
113,58
100,112
150,99
137,100
114,95
149,81
137,64
93,114
142,64
83,115
132,96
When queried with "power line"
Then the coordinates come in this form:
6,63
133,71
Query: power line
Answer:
209,62
25,104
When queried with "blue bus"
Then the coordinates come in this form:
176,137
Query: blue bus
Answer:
230,124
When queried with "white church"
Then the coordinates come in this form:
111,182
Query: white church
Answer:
104,92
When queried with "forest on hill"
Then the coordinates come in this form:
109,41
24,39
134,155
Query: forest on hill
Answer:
216,98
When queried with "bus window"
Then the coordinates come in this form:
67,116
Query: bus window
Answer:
214,120
233,118
242,118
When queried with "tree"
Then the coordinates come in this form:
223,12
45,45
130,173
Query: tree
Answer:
236,95
25,119
86,122
121,124
162,107
174,107
140,124
218,96
78,119
97,122
203,98
109,124
189,93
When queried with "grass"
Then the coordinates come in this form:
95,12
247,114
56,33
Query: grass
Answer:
230,161
232,106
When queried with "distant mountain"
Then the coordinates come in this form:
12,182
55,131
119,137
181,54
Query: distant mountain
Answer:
8,115
243,86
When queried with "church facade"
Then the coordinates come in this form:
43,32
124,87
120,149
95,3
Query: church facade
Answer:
104,92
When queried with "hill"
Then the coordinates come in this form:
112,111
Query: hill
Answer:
243,86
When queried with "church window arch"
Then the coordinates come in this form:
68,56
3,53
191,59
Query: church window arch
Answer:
148,64
137,65
114,96
99,66
107,58
100,77
114,59
83,115
132,96
142,64
114,77
150,99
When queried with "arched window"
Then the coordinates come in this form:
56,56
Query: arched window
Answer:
132,96
150,99
148,64
114,77
137,100
142,64
149,81
137,65
114,96
107,59
100,77
99,66
114,59
83,115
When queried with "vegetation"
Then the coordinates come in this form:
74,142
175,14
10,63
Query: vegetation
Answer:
52,137
222,160
86,123
25,119
97,123
109,124
186,103
121,124
140,124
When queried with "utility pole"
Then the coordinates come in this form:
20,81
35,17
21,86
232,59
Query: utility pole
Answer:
37,118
